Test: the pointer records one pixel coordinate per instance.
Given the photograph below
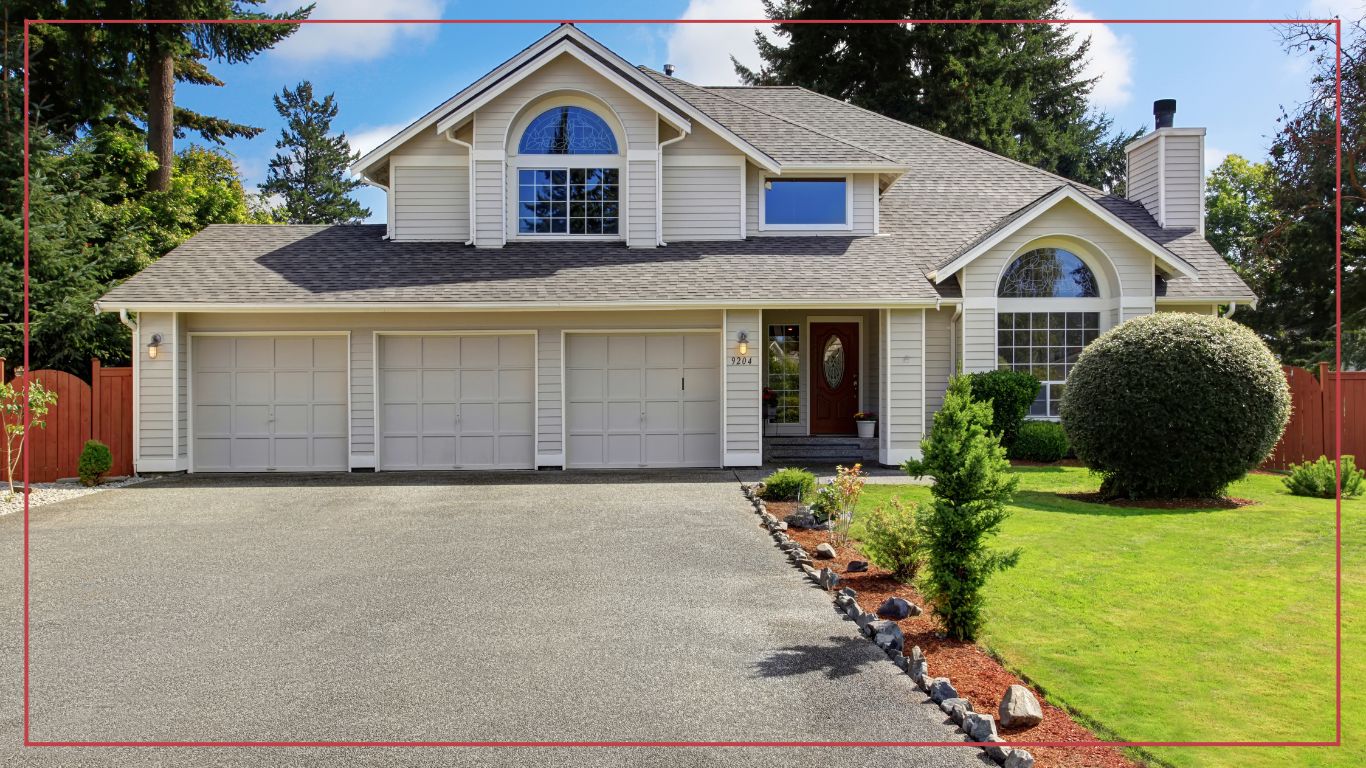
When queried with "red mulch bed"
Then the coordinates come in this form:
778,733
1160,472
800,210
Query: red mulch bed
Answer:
977,676
1229,502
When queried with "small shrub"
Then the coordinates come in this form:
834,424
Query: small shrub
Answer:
95,461
825,504
1040,441
1319,478
789,484
1010,393
848,487
892,540
972,484
1174,405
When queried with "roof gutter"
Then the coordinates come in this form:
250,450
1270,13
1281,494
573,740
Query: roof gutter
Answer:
523,306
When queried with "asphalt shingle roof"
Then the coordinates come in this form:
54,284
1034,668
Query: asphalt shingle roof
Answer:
952,195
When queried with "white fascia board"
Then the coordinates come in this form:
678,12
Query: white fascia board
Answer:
1163,256
1152,135
335,307
793,168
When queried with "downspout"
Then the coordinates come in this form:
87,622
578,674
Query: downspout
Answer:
659,187
953,338
469,149
389,225
1232,307
123,318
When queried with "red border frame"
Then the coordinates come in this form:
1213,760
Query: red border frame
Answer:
1337,420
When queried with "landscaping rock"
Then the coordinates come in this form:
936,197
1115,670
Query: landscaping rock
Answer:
915,610
996,751
901,661
787,545
829,579
856,566
925,682
979,726
825,551
956,708
1019,708
779,525
941,689
894,608
809,571
919,666
848,592
1019,758
889,636
803,518
864,620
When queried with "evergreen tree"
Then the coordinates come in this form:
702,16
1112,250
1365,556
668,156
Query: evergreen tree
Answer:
972,484
312,173
1014,89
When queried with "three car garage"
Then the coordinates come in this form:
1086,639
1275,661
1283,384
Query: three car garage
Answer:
445,400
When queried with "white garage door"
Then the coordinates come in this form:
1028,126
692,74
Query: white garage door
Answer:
269,403
643,400
457,402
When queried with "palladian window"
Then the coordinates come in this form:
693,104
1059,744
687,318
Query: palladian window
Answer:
556,197
1046,344
567,131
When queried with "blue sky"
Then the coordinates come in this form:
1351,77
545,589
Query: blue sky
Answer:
1230,79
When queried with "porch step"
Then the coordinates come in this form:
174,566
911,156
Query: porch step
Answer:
836,449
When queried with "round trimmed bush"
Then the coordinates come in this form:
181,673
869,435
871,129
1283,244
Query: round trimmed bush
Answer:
94,462
1175,405
1039,441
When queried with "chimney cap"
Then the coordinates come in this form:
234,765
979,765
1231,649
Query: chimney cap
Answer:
669,70
1164,112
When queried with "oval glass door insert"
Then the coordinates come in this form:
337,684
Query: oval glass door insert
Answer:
833,358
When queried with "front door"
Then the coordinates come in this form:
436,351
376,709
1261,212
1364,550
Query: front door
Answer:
834,378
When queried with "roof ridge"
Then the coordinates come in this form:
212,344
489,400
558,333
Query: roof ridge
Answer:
1081,186
766,113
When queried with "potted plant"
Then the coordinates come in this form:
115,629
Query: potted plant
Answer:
770,403
866,421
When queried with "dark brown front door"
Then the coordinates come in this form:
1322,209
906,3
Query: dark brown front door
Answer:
834,378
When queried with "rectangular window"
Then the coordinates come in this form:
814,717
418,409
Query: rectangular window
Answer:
783,398
568,201
1045,344
809,203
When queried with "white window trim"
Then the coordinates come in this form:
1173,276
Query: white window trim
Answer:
554,163
848,224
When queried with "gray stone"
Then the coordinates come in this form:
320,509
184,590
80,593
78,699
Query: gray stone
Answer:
809,571
996,751
856,566
979,726
956,708
1019,708
779,525
942,689
829,579
843,600
848,592
925,682
864,619
853,609
889,636
915,610
901,661
894,608
825,551
1019,758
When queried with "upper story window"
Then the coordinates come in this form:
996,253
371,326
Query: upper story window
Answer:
814,203
1048,273
568,201
568,130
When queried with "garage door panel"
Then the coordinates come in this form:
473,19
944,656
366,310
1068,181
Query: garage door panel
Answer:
213,453
293,387
250,453
292,419
329,386
291,453
464,401
214,351
213,387
329,420
516,450
256,352
330,352
213,418
253,386
294,352
672,379
251,420
330,452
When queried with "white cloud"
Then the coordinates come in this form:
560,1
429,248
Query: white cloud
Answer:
364,140
702,51
1213,157
1110,59
357,42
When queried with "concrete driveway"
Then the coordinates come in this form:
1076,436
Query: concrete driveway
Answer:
550,606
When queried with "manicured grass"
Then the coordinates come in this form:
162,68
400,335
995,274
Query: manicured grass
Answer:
1163,625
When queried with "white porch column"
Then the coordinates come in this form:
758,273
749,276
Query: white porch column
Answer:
903,381
742,391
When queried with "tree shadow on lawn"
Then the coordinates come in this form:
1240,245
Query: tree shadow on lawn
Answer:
840,657
1047,501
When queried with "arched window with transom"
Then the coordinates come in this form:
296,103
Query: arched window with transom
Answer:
1046,343
561,197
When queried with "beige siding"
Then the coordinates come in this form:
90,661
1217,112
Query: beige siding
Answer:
156,384
1183,179
156,395
905,386
427,143
743,410
701,142
488,203
865,196
1143,181
979,339
938,359
431,203
641,205
182,367
701,203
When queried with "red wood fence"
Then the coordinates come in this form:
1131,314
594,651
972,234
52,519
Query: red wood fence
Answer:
1309,434
101,410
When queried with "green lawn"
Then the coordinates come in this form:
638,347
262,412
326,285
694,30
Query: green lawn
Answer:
1182,625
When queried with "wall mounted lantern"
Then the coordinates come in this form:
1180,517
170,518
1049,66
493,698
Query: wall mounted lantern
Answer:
153,346
743,347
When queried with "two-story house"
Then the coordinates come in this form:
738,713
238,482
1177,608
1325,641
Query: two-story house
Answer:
588,264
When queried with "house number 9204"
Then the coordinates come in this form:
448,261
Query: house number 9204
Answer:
737,360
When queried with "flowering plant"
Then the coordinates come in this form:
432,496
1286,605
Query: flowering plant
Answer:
848,487
865,416
769,395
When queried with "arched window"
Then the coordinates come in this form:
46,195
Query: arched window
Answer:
568,131
1048,273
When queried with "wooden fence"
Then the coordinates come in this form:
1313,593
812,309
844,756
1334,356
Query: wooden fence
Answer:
1309,434
101,410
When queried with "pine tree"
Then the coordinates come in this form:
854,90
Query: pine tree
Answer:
1014,89
311,175
972,484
